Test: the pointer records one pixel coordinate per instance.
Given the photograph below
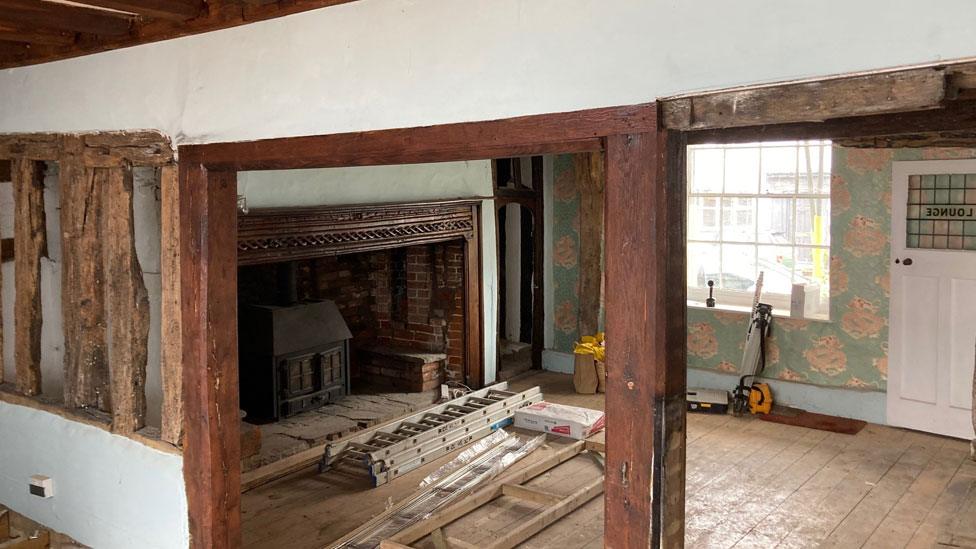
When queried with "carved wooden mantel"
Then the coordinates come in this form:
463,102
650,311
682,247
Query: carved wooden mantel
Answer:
270,235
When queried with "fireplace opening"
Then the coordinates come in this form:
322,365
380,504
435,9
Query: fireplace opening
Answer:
332,344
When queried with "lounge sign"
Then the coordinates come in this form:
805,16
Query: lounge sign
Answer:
965,213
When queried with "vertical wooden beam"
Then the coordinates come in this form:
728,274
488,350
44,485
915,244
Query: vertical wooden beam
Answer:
645,307
473,317
86,376
31,243
538,263
590,176
208,274
127,302
671,376
171,352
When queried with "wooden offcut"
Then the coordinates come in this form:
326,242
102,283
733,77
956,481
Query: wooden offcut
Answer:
899,91
31,243
590,177
171,350
86,370
127,302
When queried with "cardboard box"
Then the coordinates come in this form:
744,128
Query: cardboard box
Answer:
559,419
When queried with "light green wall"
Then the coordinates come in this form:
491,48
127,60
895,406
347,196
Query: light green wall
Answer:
849,350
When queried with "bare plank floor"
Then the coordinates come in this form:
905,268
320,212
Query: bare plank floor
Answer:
750,484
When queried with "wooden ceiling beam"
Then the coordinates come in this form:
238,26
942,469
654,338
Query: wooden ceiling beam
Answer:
66,17
218,14
172,10
12,32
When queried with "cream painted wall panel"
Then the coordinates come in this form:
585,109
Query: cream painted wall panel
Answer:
109,491
375,64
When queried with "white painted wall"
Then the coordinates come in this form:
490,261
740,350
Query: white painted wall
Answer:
375,64
110,492
365,185
402,183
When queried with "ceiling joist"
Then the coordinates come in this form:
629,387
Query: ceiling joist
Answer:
12,32
39,14
172,10
83,27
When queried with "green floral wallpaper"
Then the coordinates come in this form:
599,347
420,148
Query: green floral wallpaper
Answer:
565,253
849,350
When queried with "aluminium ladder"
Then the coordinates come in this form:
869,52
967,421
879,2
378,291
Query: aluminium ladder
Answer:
394,449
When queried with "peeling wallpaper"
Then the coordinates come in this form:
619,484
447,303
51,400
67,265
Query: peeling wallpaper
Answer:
849,350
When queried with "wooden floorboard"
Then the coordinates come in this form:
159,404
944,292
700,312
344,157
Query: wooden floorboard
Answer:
750,484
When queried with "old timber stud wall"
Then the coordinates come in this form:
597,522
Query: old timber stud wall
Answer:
104,300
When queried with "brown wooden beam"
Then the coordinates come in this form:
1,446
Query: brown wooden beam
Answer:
11,32
590,182
671,374
41,14
208,273
171,353
897,91
31,242
509,137
474,372
127,302
645,304
173,10
953,116
86,366
4,170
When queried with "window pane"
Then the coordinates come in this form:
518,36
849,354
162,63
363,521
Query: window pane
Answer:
703,216
812,266
778,170
739,219
776,220
703,264
813,221
811,178
706,170
738,267
777,264
741,171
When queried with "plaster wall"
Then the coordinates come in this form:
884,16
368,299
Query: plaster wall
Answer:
110,492
375,64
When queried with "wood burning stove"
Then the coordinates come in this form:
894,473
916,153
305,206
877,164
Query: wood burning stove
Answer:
293,358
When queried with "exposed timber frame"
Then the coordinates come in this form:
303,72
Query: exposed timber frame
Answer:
101,278
208,268
645,296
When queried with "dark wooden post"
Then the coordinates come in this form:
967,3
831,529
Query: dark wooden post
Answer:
127,303
474,372
86,367
208,273
645,308
30,239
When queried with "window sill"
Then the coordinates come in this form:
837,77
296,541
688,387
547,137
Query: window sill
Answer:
747,310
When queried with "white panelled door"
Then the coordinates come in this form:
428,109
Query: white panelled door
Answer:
932,336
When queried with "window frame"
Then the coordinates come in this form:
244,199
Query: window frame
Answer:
741,300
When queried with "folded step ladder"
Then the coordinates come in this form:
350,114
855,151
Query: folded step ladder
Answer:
389,451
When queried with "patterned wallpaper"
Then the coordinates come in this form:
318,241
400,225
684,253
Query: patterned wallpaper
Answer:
565,253
849,350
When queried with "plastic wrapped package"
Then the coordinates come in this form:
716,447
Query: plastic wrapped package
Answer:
471,468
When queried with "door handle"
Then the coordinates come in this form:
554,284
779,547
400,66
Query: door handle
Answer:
907,262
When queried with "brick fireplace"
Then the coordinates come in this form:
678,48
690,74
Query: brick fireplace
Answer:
405,304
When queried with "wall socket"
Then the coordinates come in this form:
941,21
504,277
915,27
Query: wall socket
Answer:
41,486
